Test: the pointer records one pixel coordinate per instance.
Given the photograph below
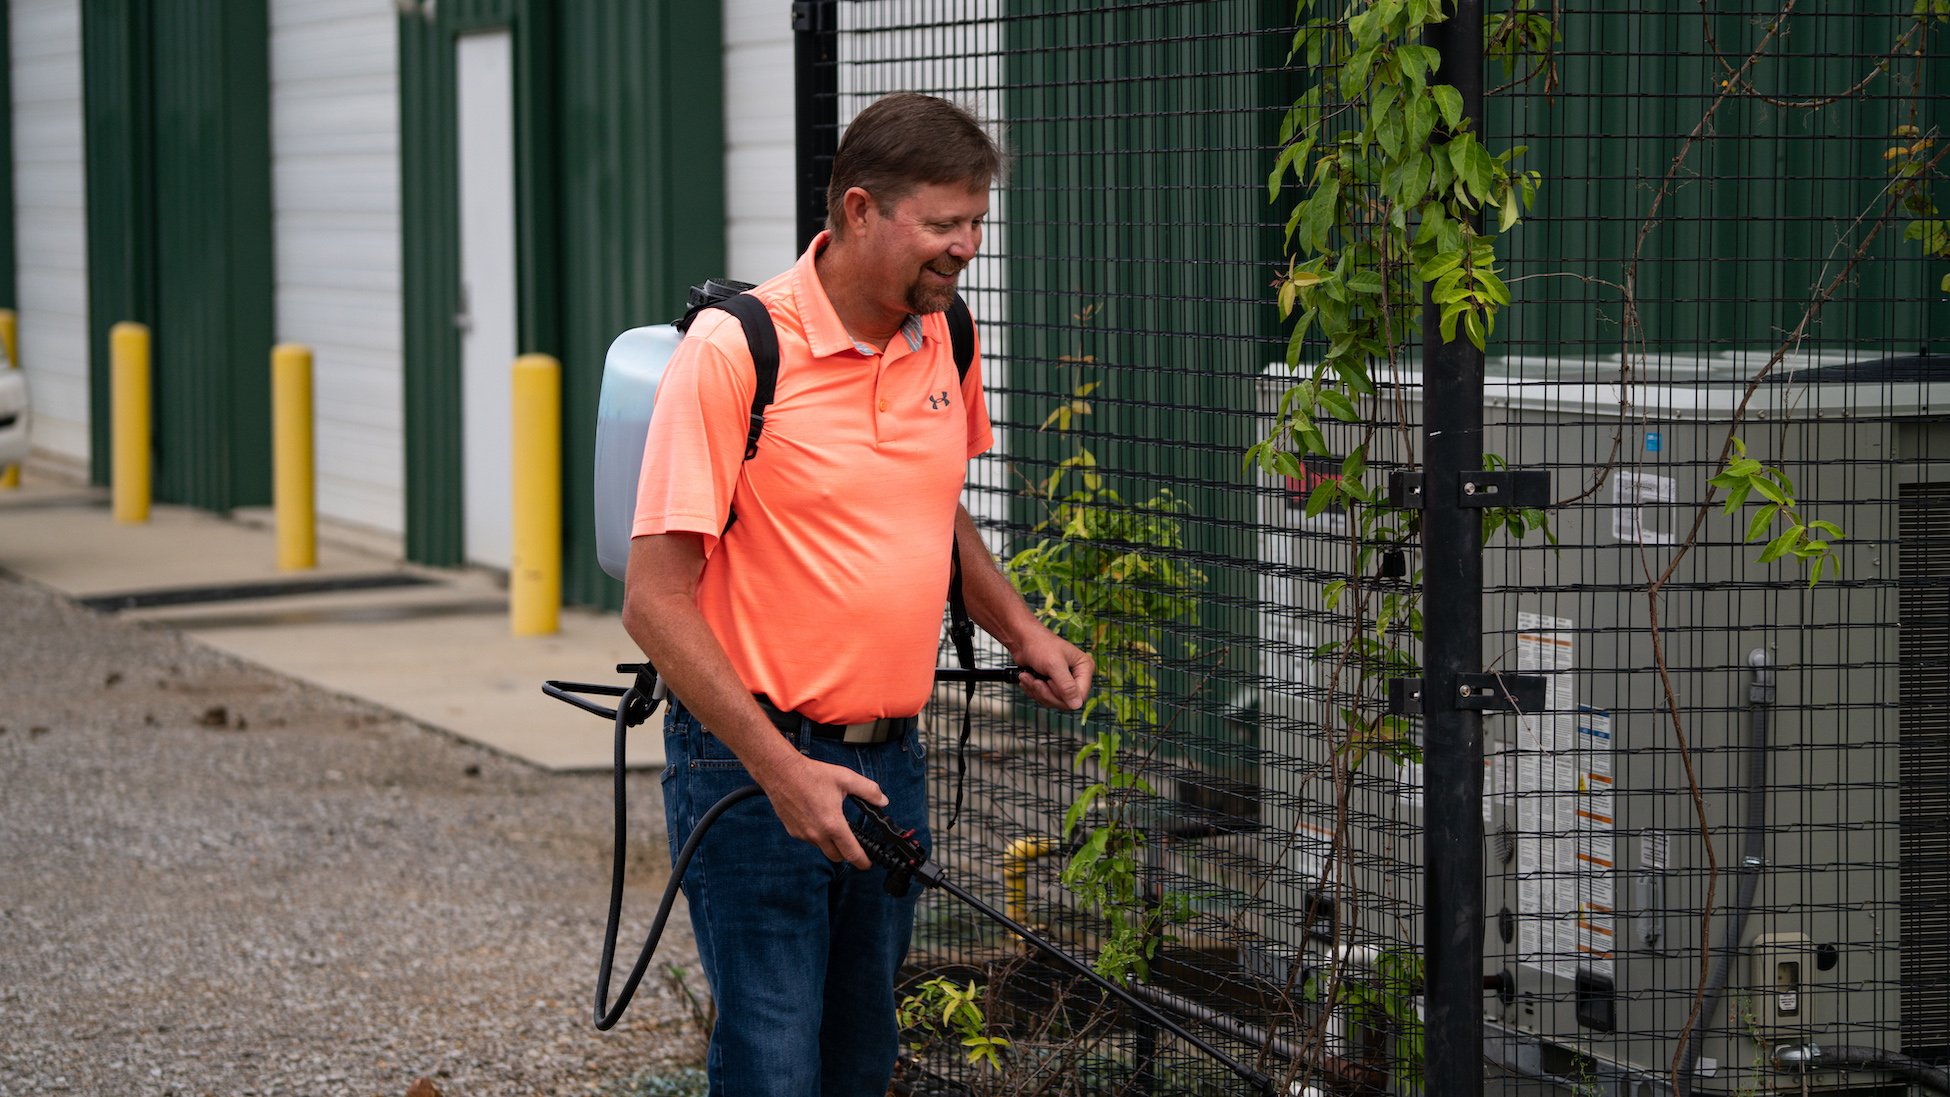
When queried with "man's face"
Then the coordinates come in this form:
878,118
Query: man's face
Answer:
921,243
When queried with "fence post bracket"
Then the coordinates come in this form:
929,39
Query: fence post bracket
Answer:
1477,490
1477,692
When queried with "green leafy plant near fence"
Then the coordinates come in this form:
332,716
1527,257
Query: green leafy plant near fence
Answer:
942,1010
1101,573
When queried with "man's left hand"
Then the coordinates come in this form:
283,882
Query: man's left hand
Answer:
1056,672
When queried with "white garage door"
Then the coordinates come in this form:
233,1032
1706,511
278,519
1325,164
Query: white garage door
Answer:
335,164
50,220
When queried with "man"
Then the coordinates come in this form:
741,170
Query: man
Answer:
793,601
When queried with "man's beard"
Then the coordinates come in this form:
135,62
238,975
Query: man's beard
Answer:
923,297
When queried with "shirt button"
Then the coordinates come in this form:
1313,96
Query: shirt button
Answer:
883,404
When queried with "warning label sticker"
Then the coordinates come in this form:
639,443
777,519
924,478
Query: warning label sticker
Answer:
1565,814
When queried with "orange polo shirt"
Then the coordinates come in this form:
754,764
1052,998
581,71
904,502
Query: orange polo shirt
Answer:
827,592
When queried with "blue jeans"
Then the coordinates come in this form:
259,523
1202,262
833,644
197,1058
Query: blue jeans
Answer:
801,953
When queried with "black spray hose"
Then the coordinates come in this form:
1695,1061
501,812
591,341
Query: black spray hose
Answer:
1760,702
606,1014
886,843
1806,1057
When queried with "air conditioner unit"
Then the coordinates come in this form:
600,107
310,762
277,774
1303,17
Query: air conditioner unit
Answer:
1597,823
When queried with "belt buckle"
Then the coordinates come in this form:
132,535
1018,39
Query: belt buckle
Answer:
873,731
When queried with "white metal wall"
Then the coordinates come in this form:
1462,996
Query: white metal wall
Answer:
335,164
761,221
50,220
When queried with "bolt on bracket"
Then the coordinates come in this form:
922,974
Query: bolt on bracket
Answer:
1478,692
1477,490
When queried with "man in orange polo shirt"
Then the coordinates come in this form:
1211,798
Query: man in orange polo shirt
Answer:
793,601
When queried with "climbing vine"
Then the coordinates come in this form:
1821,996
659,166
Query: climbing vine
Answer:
1103,574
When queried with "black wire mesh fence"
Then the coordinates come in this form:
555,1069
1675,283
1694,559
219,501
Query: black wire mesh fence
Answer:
1716,848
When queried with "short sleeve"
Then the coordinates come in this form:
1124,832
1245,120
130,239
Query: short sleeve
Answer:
695,448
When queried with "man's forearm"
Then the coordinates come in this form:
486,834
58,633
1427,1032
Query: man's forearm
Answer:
993,602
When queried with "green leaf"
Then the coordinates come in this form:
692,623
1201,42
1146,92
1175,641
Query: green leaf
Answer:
1320,498
1451,103
1354,376
1354,464
1780,545
1763,518
1340,407
1365,281
1312,440
1507,213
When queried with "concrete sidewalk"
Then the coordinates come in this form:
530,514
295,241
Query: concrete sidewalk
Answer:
432,644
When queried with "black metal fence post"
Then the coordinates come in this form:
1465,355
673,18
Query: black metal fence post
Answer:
1452,579
816,109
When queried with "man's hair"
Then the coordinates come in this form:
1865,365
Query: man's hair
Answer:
905,141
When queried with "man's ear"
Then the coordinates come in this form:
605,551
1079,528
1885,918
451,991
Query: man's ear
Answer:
857,205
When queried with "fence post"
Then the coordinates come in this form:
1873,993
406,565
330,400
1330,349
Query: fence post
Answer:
129,421
816,108
1452,611
535,577
10,343
294,489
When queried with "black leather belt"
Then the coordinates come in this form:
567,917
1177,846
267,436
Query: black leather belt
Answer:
884,730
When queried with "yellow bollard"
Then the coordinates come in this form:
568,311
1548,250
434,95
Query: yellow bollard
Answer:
10,343
293,490
128,386
535,579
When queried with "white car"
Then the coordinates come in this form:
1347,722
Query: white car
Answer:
13,413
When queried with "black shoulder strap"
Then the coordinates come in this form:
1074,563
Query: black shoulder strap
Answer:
763,340
961,335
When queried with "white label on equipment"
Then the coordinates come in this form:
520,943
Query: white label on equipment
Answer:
1642,508
1565,814
1652,851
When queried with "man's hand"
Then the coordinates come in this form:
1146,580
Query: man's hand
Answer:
1057,672
808,796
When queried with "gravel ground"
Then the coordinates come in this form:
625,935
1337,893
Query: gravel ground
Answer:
214,880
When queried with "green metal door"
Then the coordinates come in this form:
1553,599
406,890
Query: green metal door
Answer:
619,175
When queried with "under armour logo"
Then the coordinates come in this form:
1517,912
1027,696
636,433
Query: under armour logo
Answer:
939,402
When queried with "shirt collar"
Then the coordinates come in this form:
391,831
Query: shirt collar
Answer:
825,335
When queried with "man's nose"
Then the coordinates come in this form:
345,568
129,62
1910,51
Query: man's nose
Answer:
966,243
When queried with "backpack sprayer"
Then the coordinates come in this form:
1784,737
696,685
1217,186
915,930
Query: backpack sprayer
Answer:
632,373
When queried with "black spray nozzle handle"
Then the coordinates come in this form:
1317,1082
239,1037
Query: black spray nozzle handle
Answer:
1009,673
887,842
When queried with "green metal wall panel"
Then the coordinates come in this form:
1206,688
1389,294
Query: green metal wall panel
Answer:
1767,200
642,210
179,234
620,206
118,138
212,180
430,266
